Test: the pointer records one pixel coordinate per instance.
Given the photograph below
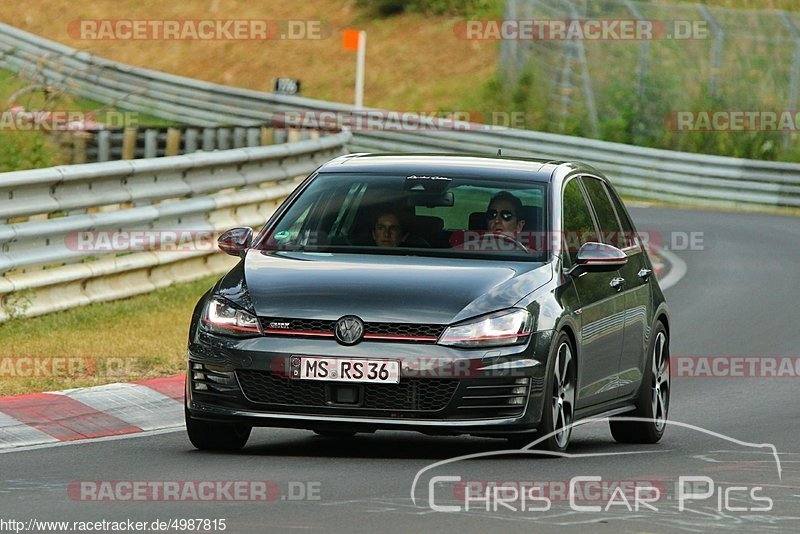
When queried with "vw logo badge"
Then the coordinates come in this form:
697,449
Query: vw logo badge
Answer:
349,330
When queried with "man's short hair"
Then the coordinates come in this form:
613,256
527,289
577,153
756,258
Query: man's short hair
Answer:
508,197
401,217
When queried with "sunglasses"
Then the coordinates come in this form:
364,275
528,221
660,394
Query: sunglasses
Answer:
505,214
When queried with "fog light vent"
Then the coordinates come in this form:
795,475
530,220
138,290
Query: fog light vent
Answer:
214,381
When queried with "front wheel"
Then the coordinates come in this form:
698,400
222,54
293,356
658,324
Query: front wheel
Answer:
206,435
653,402
558,412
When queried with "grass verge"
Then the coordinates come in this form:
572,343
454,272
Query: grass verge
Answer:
131,339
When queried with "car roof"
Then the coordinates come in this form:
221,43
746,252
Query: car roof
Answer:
497,167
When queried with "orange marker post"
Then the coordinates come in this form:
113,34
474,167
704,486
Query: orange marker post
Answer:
356,40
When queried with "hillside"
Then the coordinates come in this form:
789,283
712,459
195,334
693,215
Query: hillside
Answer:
414,61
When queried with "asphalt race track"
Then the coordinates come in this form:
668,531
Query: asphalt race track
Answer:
738,298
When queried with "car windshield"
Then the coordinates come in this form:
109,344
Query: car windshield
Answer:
414,215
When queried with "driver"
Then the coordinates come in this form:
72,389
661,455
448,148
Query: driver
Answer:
388,230
503,216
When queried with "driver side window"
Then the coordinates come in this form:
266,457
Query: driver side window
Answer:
578,225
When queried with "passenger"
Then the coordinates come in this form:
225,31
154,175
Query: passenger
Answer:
388,230
503,216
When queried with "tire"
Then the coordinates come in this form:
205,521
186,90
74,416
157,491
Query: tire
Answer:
654,395
335,433
558,410
206,435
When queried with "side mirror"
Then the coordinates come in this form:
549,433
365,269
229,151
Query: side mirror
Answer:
236,241
598,258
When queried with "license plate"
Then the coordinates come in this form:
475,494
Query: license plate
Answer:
347,370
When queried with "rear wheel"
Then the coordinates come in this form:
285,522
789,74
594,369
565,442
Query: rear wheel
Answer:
653,401
206,435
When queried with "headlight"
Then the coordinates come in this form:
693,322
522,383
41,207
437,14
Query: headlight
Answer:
509,327
222,317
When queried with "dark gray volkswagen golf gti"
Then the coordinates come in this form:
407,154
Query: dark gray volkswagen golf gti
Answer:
477,295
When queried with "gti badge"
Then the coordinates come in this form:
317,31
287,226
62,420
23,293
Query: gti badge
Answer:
349,330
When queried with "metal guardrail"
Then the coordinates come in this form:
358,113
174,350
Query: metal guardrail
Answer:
45,265
153,142
641,172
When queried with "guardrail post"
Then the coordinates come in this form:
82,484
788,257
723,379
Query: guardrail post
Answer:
239,137
253,137
129,143
150,143
173,142
223,138
267,136
190,140
103,145
294,135
208,139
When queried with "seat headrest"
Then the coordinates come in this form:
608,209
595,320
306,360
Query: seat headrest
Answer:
426,224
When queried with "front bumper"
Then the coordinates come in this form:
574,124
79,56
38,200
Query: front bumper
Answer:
442,390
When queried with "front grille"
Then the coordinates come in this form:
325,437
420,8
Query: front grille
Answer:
404,330
415,394
274,326
424,394
268,388
297,325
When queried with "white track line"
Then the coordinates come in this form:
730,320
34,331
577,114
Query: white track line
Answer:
95,440
676,272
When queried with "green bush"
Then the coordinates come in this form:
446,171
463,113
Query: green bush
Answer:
463,8
28,150
625,116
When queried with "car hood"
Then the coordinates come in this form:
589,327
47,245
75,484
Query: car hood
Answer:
385,288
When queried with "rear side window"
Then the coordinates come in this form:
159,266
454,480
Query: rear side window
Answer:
578,227
610,231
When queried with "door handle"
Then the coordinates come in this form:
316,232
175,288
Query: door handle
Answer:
644,274
617,283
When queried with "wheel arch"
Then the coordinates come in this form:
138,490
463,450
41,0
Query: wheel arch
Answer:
664,319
